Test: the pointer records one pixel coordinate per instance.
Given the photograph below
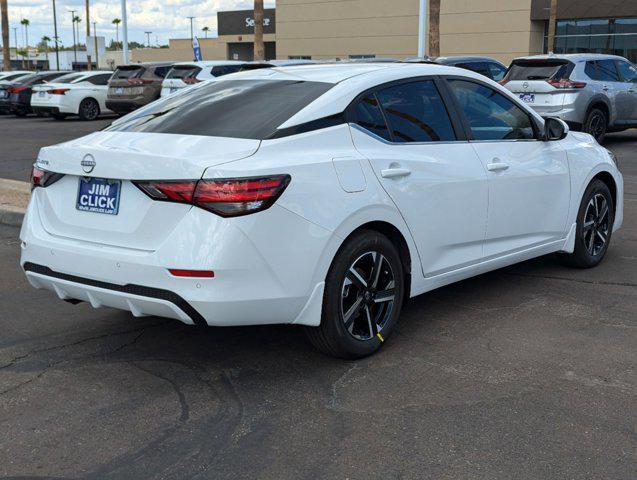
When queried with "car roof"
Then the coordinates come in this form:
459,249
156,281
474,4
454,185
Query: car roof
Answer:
571,56
211,63
468,58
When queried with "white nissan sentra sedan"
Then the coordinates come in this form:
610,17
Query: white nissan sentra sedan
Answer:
319,195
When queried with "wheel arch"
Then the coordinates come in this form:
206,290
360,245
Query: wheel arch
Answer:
610,182
601,102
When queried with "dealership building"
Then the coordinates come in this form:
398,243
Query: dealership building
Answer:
349,29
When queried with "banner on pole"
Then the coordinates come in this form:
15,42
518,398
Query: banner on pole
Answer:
196,49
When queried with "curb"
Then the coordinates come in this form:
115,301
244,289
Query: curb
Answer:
11,216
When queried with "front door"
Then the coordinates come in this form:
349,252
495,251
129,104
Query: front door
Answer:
529,181
430,172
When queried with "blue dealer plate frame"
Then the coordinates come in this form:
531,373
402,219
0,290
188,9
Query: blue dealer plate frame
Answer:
98,195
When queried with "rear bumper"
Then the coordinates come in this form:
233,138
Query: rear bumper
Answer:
45,110
265,269
126,105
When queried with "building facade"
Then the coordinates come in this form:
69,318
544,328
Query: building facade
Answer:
350,29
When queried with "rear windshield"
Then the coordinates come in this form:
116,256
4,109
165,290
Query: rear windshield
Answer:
539,69
129,71
71,77
14,76
221,70
183,71
233,108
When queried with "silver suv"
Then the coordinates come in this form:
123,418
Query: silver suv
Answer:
593,93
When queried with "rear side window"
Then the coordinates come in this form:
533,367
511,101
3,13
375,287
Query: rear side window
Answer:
122,73
368,115
539,69
602,70
416,113
70,78
233,108
183,71
221,70
491,116
478,67
497,71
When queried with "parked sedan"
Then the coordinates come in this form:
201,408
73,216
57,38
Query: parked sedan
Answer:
133,86
19,101
184,74
486,66
82,94
6,83
320,196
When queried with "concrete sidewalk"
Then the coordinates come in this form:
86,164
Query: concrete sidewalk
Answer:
14,197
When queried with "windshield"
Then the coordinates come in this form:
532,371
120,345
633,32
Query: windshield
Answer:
234,108
69,78
539,69
183,71
128,71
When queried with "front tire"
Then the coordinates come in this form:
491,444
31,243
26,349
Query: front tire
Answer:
89,109
363,296
595,220
596,124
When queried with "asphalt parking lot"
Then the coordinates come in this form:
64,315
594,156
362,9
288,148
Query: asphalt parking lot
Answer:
525,373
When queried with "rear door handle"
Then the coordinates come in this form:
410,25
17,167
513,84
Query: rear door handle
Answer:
497,166
395,172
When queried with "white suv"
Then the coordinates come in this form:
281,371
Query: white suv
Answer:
189,73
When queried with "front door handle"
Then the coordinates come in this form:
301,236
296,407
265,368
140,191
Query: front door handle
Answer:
395,172
497,166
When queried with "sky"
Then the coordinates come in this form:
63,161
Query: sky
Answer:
164,18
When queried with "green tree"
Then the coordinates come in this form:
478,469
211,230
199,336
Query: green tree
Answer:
116,22
206,30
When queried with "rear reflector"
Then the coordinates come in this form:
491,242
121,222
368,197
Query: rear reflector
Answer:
226,197
192,273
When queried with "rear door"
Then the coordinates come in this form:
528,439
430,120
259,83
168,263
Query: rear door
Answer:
628,73
605,74
530,80
427,168
529,181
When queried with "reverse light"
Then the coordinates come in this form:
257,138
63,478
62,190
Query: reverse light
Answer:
226,197
58,91
565,83
42,178
191,273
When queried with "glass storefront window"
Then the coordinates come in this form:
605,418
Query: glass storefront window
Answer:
611,36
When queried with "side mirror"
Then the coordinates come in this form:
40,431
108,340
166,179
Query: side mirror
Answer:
554,129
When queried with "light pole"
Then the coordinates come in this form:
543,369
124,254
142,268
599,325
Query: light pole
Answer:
97,58
124,34
15,40
6,49
89,66
191,28
73,27
56,39
422,27
148,38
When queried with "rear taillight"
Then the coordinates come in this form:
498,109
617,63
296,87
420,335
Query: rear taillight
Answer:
191,80
504,81
58,91
226,197
139,81
565,83
42,178
16,89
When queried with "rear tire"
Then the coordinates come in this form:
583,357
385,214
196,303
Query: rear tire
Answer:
89,109
596,124
20,113
363,297
595,220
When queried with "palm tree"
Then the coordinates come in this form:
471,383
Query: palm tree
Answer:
116,22
46,41
77,20
25,22
206,30
434,28
6,57
259,50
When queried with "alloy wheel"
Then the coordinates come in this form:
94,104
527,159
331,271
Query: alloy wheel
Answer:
367,296
596,225
91,110
597,125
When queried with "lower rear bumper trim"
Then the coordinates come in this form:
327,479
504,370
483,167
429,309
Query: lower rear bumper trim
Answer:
140,290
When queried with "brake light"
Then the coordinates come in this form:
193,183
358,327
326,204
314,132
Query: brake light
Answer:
504,81
191,80
226,197
17,89
58,91
42,178
565,83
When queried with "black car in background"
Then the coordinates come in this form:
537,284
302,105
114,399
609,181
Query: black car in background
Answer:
17,99
486,66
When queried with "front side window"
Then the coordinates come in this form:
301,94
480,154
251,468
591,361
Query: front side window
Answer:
231,108
491,116
368,115
607,71
628,71
416,113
